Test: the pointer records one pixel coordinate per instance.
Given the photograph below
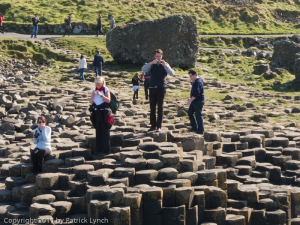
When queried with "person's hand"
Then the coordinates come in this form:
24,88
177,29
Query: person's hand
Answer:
34,137
154,62
189,103
98,92
93,94
163,62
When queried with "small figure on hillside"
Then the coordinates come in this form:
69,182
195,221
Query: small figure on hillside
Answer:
82,65
1,22
35,23
159,70
111,23
68,25
42,139
99,25
98,64
146,77
136,86
196,103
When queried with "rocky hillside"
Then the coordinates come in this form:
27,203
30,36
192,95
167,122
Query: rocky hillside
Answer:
211,16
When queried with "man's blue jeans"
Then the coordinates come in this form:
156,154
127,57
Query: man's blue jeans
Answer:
81,74
195,110
34,31
98,71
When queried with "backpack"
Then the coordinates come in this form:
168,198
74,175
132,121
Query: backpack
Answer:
114,103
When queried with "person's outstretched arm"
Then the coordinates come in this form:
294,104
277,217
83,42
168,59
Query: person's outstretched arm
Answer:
146,68
169,70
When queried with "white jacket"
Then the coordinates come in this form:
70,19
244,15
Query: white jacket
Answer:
44,138
82,64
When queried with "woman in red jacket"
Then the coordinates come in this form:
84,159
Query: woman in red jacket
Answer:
1,20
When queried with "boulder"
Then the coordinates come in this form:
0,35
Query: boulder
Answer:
284,53
261,68
136,42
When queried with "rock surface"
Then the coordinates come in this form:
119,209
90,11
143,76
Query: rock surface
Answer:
176,35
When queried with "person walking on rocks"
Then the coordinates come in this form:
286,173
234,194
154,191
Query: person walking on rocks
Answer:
159,69
1,24
146,77
35,23
42,139
136,86
68,26
82,65
111,23
99,25
100,100
98,63
196,103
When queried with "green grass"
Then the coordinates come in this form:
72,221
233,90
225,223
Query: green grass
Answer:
21,49
211,18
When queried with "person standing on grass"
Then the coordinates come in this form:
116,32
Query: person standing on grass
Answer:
99,25
111,23
1,21
68,25
35,23
146,77
136,86
196,103
98,64
159,70
82,65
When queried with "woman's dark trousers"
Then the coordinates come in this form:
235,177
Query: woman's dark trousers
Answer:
37,159
102,133
99,30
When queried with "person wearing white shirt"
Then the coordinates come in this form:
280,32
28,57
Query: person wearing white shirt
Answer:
82,65
100,98
42,139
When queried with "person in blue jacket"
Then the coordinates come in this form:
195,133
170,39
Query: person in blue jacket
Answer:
98,64
196,103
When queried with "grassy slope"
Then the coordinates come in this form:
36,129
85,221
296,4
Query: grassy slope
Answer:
210,18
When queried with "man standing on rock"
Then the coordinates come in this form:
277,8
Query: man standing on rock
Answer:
98,64
196,103
159,69
35,23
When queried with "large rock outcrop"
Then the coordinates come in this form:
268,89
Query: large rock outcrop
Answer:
285,53
176,35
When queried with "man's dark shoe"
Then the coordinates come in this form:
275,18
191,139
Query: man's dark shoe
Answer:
152,129
199,132
191,130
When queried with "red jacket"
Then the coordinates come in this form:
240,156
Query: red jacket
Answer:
1,19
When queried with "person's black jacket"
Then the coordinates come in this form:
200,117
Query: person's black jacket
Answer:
158,76
106,109
98,60
198,90
35,21
135,82
68,21
99,22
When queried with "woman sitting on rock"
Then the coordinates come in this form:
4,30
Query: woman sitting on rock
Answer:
100,99
42,139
